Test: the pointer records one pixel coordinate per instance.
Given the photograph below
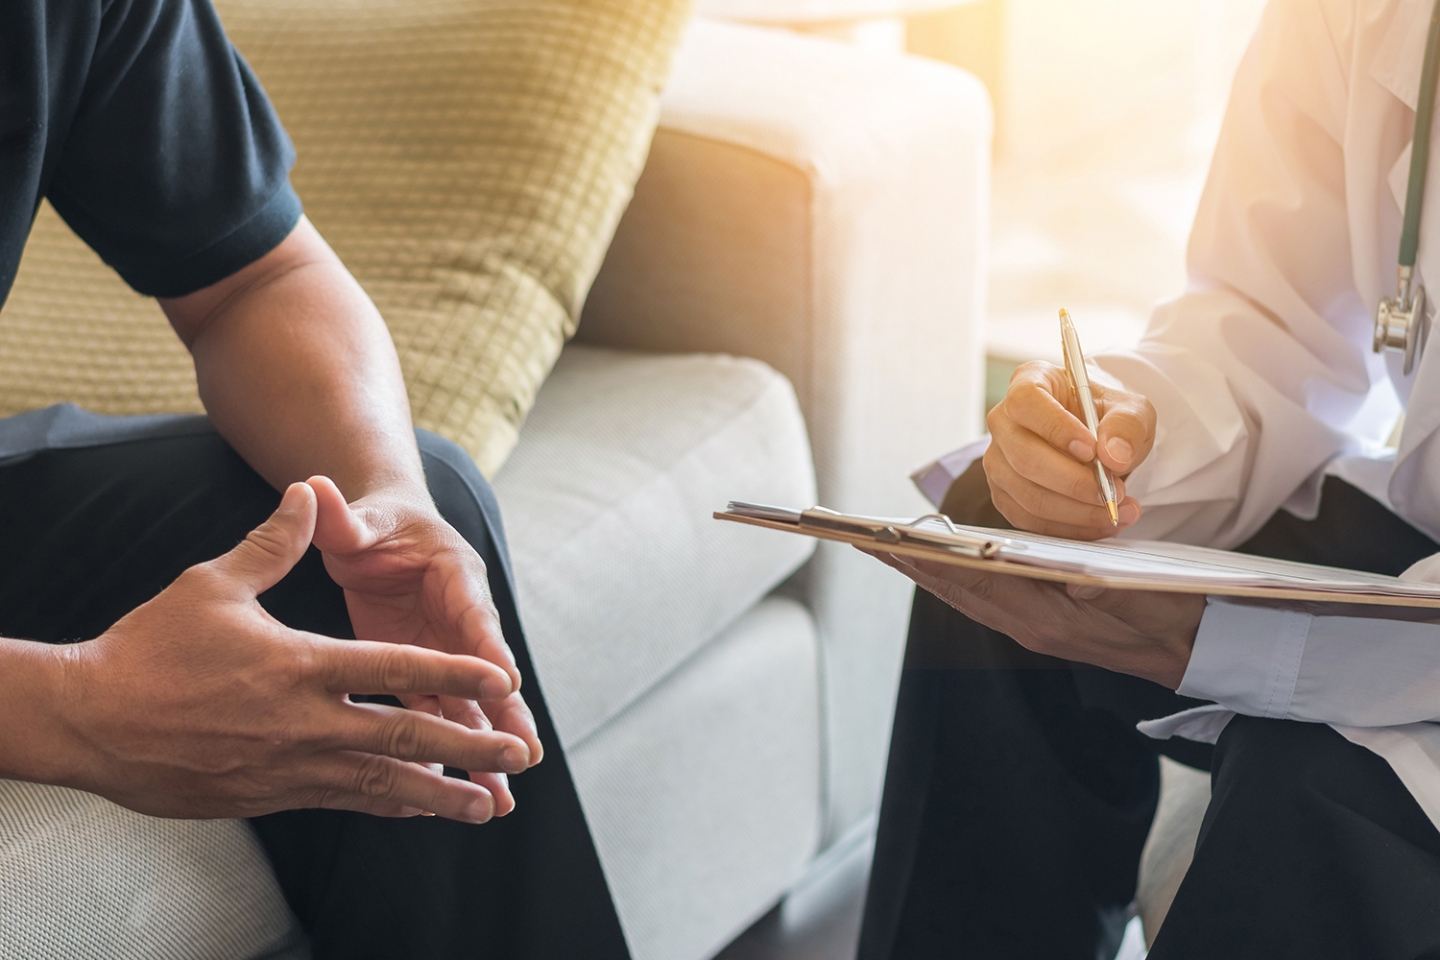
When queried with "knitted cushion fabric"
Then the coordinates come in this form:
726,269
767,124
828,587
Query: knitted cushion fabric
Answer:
468,160
82,878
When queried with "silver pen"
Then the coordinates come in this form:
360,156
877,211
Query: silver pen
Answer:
1080,384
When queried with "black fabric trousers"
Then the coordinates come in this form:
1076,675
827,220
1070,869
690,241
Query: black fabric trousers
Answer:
95,526
1018,798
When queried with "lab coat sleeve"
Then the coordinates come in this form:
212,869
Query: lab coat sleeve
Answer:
1255,369
1304,663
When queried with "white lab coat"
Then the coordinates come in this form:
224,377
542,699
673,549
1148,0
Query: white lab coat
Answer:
1263,376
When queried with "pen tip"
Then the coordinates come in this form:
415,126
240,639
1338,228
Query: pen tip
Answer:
1114,514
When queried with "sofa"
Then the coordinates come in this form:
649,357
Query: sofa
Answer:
791,311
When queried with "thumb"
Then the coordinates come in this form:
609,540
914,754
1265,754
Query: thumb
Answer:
263,558
337,528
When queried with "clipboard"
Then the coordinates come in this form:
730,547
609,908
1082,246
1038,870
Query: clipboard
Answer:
1112,564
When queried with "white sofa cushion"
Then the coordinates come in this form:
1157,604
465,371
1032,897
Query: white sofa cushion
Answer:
81,877
621,571
704,795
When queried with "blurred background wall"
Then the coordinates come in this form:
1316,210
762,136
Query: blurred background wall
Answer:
1106,114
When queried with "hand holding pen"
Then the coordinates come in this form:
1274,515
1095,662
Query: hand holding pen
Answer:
1044,461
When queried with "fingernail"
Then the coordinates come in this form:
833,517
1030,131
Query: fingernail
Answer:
480,810
427,813
1119,450
1129,512
512,760
1081,450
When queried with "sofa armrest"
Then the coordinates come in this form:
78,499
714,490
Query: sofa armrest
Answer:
823,209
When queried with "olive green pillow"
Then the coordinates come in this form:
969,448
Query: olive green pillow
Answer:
468,160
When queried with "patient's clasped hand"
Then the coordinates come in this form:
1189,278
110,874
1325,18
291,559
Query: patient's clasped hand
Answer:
244,716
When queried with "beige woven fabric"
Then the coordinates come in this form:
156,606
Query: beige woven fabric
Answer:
468,160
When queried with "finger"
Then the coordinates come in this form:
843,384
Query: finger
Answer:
1084,591
423,703
512,715
1045,503
468,610
337,527
499,786
388,787
1038,399
468,714
269,551
1024,520
420,738
1037,461
362,666
1127,428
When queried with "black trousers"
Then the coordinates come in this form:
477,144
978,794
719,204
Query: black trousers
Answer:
101,514
1019,795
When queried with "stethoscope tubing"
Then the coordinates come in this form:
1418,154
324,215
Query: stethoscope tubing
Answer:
1420,147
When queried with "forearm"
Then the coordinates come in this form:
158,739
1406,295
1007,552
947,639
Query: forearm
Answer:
297,370
32,747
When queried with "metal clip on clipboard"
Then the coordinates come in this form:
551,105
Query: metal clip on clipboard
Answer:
884,532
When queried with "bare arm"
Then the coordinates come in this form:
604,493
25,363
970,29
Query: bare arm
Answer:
297,370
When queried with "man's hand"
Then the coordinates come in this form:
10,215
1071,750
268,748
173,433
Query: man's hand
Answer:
1039,463
1144,634
199,704
410,578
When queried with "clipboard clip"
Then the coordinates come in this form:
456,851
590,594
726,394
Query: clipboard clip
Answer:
952,540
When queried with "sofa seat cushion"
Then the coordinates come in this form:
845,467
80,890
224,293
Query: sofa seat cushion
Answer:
704,794
82,877
621,573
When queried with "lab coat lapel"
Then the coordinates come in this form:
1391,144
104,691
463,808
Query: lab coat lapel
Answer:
1400,60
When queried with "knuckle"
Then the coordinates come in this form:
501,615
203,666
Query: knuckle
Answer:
401,737
376,777
397,669
202,577
267,538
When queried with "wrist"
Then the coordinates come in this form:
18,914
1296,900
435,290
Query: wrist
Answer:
402,496
37,745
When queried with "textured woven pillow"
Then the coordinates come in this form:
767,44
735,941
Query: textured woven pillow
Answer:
468,160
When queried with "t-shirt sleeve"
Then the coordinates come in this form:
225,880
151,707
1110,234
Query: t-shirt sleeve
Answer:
175,169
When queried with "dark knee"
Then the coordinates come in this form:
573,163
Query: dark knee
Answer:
460,491
1285,765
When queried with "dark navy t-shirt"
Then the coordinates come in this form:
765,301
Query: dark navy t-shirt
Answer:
149,135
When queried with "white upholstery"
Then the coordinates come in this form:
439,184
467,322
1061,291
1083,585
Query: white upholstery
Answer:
704,795
84,879
620,570
825,210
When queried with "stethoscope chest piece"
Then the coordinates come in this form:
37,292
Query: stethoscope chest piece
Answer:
1400,322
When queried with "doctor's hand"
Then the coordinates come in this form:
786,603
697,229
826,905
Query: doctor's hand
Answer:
1141,633
1040,460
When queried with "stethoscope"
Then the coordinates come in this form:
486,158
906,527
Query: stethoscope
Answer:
1400,320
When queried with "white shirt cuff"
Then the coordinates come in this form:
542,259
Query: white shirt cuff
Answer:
1247,657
